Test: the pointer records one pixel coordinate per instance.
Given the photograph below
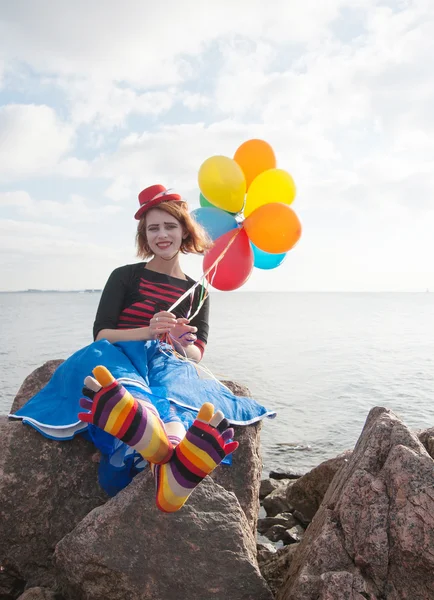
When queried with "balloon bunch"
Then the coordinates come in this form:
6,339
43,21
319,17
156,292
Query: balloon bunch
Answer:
245,211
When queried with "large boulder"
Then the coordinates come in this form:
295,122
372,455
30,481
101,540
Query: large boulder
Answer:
129,550
46,488
373,536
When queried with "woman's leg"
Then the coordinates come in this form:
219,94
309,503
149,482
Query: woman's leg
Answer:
203,447
134,421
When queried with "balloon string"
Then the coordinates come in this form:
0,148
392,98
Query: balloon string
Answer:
203,297
215,263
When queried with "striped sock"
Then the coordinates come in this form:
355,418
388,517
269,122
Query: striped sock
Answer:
131,420
196,456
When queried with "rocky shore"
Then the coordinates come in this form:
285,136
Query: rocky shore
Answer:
358,526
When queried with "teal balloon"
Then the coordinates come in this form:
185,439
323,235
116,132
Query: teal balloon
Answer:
205,204
216,222
265,260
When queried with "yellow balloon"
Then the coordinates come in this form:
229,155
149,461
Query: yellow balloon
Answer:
222,182
274,185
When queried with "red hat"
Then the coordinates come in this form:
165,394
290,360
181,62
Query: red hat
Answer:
152,196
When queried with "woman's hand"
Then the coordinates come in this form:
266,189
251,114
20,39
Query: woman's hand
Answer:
161,323
183,333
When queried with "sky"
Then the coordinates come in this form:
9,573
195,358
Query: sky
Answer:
101,99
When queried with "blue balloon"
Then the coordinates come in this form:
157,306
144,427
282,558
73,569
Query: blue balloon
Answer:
265,260
216,222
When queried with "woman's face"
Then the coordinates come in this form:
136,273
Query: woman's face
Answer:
164,233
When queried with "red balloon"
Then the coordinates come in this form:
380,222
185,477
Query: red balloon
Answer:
235,267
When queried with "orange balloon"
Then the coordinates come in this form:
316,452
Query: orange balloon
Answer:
273,227
254,157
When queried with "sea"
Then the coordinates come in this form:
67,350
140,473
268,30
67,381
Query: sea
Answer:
321,360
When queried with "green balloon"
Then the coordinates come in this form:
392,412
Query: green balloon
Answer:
204,202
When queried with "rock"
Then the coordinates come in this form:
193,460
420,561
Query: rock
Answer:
129,550
277,502
304,521
282,533
294,535
34,382
46,488
275,568
38,593
427,439
243,477
266,487
306,494
11,584
264,552
276,533
373,536
343,585
285,475
285,519
238,388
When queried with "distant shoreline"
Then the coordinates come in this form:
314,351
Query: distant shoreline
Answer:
99,291
31,291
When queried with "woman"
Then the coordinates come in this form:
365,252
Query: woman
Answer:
131,303
144,404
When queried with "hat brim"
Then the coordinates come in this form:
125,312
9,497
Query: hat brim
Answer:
153,203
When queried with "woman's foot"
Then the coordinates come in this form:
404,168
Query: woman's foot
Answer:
204,446
131,420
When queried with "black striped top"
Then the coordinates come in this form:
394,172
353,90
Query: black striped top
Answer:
133,294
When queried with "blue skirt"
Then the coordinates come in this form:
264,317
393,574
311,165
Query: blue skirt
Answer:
147,370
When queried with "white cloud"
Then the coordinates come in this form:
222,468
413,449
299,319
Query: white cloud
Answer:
32,140
171,156
27,237
18,199
106,105
53,256
145,43
333,83
73,167
195,101
111,68
120,189
75,209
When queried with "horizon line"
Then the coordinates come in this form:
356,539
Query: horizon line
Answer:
98,290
